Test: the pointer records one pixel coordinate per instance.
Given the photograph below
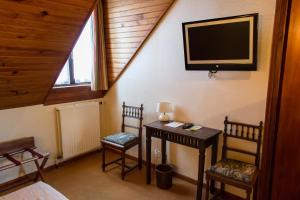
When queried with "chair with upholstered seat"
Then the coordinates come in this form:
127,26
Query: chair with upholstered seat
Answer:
123,141
234,172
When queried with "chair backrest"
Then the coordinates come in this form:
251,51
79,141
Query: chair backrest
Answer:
248,132
135,113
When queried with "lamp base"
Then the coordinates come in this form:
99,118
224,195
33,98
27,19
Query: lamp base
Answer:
163,117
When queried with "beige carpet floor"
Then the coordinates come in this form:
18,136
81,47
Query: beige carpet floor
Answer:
83,179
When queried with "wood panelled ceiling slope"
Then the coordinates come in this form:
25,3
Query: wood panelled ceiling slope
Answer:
127,26
36,37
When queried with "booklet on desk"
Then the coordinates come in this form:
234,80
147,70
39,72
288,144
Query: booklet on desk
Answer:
174,124
177,124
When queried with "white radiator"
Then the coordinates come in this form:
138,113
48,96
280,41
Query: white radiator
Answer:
78,129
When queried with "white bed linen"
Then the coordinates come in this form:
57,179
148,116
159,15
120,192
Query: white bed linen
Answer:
37,191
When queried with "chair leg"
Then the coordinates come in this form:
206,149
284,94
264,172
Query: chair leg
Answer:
255,191
222,188
207,187
140,155
123,165
249,191
103,158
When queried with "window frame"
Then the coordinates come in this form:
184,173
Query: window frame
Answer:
66,93
70,59
72,77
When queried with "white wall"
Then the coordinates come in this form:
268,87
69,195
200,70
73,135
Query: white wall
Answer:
158,74
37,121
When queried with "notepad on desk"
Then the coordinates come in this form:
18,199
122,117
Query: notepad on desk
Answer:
174,124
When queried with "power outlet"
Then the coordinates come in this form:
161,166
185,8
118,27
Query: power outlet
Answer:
157,155
157,152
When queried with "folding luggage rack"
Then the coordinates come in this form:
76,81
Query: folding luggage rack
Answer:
17,147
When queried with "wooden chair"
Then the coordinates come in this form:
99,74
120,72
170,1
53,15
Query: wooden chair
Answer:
123,141
233,172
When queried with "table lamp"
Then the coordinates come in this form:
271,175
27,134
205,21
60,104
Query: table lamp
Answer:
163,108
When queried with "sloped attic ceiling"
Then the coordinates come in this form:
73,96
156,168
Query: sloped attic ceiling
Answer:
36,37
128,24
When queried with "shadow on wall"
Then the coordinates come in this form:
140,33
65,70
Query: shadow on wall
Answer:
230,76
247,114
203,76
111,113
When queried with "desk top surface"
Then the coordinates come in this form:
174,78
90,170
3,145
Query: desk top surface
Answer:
203,133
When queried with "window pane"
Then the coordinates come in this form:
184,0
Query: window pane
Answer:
83,54
64,77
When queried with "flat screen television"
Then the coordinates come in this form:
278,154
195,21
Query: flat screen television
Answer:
228,43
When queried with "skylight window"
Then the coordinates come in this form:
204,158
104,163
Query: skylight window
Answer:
78,68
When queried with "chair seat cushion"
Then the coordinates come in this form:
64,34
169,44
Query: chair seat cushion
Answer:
234,169
121,138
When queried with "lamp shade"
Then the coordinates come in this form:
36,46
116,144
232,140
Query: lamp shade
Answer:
164,107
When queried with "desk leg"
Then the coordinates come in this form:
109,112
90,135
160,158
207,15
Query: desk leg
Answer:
148,156
200,172
214,154
163,151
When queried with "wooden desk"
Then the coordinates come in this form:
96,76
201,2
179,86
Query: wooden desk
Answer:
200,139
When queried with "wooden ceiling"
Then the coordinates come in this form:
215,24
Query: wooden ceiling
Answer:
127,26
36,37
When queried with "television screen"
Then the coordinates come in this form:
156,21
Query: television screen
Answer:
221,44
